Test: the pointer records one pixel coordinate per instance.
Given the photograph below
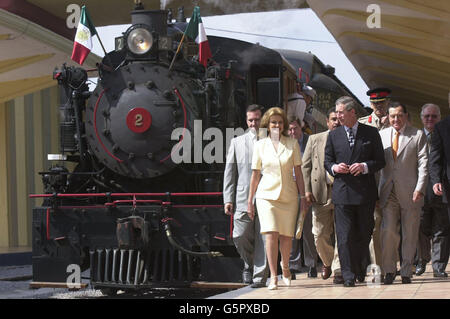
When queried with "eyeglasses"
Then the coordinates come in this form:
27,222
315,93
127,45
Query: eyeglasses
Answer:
434,116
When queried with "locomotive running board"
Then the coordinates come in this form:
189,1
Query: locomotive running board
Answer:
43,284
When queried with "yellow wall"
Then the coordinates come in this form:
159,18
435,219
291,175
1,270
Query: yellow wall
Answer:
28,132
4,198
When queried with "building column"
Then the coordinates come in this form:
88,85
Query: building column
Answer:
4,185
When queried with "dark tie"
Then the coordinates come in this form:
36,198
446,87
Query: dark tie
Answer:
429,142
351,138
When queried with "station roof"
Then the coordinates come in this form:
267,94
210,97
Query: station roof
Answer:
409,52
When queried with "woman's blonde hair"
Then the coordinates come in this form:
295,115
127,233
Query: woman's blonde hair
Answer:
266,119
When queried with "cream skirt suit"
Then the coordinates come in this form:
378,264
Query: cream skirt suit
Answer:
277,193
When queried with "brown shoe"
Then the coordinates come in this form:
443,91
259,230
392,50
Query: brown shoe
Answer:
326,272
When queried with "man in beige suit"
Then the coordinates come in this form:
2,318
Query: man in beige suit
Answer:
318,193
403,183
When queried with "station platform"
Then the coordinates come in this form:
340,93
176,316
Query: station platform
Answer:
421,287
15,256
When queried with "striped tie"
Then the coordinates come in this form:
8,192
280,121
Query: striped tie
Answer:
351,138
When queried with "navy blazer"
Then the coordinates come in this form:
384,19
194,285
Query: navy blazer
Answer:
368,148
439,158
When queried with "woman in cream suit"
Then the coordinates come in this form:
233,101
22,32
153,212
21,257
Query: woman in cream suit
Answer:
276,158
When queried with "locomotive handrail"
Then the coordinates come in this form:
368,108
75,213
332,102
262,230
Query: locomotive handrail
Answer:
64,195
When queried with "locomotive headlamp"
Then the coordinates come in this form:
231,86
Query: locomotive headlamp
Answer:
139,40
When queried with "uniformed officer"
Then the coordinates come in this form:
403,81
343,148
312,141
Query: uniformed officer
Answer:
379,100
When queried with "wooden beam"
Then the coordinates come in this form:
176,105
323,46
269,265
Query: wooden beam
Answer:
12,89
42,284
12,64
407,44
410,61
429,29
426,83
437,8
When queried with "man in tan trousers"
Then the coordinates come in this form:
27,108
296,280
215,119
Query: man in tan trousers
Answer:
318,193
403,183
379,100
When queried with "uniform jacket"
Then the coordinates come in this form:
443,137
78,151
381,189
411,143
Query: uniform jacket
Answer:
372,120
349,189
277,168
409,172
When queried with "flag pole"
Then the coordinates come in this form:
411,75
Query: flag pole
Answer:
106,55
176,53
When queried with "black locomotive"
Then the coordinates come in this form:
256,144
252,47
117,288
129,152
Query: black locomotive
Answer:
116,199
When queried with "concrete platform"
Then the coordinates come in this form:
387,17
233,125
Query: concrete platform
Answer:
15,256
422,287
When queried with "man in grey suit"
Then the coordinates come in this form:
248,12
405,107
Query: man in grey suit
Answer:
403,183
318,185
434,222
236,183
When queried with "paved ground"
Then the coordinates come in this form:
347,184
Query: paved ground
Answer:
422,287
15,281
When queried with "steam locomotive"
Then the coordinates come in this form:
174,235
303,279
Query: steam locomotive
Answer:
116,201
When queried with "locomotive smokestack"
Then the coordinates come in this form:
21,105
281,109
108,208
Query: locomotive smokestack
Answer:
156,19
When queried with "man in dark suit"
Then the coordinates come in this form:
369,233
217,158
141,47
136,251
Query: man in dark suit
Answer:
353,154
306,243
434,221
439,161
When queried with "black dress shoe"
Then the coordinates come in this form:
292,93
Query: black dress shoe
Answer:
293,277
406,280
247,277
361,277
259,284
440,274
389,278
312,273
349,283
338,280
420,269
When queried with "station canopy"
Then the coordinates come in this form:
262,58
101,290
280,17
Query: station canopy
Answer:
409,51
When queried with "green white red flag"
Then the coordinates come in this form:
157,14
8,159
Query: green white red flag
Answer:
196,31
82,44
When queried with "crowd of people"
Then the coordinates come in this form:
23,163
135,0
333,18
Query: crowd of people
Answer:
369,193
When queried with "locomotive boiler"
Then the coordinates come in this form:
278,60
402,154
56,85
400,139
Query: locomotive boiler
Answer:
135,193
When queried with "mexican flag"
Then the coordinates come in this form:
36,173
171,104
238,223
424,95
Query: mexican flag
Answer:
82,44
196,31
